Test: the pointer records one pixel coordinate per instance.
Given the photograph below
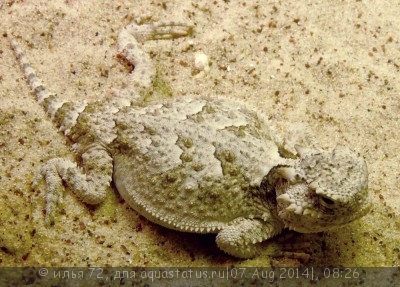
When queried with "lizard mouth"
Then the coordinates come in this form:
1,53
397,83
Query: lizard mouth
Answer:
322,191
313,212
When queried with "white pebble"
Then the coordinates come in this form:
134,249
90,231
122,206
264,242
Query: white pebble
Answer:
201,62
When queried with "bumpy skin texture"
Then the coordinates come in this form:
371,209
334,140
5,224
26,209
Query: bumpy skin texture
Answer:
197,164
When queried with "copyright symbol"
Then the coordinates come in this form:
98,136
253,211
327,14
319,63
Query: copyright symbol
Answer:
43,272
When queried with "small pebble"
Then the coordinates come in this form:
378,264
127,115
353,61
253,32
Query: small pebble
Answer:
201,62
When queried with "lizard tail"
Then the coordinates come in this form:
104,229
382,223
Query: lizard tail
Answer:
63,113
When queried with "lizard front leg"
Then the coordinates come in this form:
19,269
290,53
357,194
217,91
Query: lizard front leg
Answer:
242,237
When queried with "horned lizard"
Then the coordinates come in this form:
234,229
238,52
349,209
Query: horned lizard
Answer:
196,164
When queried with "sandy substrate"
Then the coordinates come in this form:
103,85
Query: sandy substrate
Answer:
332,65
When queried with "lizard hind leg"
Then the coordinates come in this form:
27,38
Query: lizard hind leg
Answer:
89,185
130,42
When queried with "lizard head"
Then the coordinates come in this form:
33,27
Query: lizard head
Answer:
323,190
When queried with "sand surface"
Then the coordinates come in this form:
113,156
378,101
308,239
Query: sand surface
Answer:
332,65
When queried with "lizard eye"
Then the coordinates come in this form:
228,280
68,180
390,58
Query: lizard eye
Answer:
325,201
